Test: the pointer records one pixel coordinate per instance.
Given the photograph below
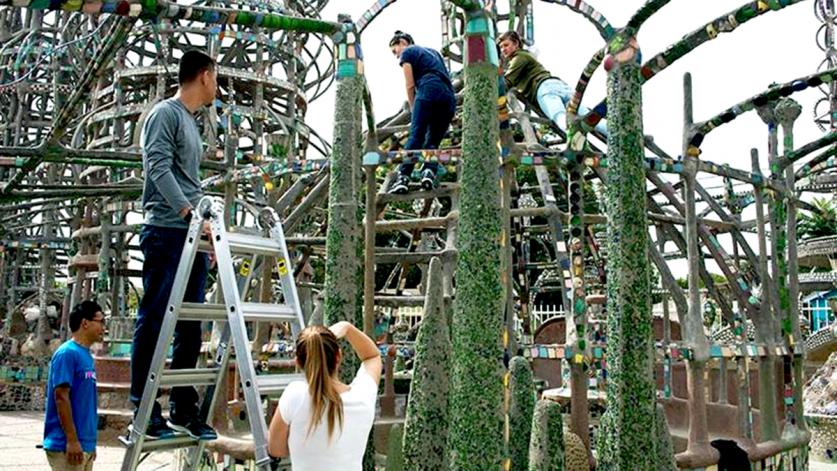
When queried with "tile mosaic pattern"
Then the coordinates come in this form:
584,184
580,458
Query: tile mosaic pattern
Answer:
589,13
546,448
521,407
476,401
158,9
427,418
22,397
344,242
723,24
371,13
624,440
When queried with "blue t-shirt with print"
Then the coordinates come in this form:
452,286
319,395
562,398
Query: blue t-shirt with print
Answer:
429,73
72,365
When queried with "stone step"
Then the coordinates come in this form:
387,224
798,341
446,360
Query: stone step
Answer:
112,369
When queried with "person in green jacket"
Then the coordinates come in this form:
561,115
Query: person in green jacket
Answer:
536,84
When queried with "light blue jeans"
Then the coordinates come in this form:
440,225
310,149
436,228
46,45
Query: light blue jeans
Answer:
553,96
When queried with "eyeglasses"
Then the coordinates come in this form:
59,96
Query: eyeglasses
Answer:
100,320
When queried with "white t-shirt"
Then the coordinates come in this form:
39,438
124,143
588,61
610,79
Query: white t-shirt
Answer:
344,452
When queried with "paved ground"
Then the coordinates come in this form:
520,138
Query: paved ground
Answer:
21,432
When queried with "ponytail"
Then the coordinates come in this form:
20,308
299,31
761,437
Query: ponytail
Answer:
399,36
316,351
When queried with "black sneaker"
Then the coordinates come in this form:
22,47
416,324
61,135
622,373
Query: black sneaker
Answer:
156,430
428,180
400,185
192,427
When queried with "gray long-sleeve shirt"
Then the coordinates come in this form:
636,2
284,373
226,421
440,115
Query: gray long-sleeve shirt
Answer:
171,153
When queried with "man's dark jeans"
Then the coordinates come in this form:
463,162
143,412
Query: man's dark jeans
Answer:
162,247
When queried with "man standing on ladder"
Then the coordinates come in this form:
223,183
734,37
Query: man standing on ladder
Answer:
171,152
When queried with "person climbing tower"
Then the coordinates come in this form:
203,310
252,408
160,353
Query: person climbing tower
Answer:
432,105
535,84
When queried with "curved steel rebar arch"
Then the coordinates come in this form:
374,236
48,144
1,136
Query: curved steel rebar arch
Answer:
817,164
645,12
103,161
813,146
595,17
371,13
723,24
701,130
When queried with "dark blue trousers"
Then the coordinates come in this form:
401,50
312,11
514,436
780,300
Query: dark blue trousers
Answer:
430,121
162,248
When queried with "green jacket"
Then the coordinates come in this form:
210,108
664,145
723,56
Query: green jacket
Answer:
524,74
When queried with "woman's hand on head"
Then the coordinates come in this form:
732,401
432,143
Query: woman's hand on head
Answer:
340,329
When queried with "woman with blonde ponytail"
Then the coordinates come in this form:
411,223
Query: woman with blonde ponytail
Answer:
322,423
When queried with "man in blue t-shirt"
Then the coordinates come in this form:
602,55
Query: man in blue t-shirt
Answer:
432,105
71,415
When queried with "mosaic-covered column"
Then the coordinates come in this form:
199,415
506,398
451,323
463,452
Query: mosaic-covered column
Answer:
577,331
787,111
626,438
476,407
343,270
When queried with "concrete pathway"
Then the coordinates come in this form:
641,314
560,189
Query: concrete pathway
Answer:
21,432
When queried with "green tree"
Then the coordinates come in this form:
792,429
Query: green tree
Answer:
716,277
819,223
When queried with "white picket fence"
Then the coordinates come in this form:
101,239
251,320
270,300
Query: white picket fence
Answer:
543,312
411,315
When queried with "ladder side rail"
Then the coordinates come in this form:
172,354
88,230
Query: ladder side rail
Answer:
158,361
286,272
222,358
238,329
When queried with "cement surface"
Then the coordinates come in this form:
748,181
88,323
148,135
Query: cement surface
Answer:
21,432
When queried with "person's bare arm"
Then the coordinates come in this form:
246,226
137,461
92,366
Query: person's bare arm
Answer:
364,346
410,83
75,455
277,436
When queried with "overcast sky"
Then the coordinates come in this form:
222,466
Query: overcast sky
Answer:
777,47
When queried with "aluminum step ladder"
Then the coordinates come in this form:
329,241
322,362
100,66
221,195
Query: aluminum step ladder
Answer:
233,314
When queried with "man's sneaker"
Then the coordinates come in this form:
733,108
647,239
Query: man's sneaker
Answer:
156,430
428,180
400,185
192,427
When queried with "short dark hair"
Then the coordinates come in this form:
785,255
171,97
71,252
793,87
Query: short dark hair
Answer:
400,35
85,310
512,35
192,64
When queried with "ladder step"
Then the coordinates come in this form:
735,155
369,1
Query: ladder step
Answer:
261,312
270,385
250,244
179,441
189,377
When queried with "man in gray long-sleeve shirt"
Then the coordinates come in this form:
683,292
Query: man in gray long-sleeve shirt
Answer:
171,152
